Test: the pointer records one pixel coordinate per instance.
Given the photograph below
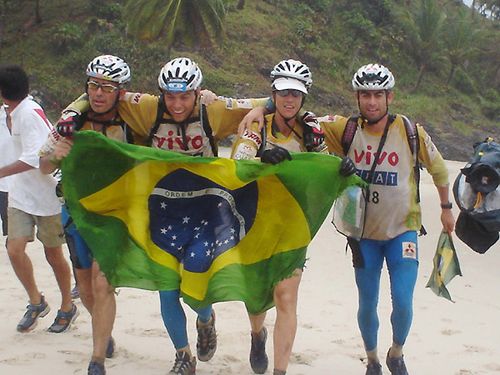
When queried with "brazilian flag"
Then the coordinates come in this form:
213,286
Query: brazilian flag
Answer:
216,229
446,266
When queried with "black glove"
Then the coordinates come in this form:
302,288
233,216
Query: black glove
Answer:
275,155
347,167
313,135
67,124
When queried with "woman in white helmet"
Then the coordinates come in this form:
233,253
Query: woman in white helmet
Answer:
283,132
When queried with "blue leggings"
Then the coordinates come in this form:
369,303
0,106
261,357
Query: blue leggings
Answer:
174,317
401,256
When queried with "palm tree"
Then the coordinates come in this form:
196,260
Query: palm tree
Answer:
192,21
38,17
459,35
424,29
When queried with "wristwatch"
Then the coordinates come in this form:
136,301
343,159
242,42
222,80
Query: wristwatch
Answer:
446,206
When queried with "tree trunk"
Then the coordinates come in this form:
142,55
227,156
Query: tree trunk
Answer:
2,21
241,4
452,72
473,8
38,17
497,76
420,76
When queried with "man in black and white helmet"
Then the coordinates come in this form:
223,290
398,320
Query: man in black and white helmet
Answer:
107,75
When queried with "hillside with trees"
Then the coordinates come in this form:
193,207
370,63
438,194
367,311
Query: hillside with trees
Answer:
445,56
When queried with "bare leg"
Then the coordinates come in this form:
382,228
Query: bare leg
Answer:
285,298
62,272
84,281
257,322
103,313
23,268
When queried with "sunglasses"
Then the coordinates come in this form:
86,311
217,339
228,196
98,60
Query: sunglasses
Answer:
286,92
107,88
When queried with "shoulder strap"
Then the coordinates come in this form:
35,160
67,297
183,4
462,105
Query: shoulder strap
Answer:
349,132
414,144
263,137
81,120
159,116
208,129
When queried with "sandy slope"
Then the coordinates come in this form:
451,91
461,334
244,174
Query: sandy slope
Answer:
459,338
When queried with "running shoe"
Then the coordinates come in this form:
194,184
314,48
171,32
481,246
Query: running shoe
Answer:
184,364
96,368
33,312
396,365
63,320
110,349
206,344
258,356
373,369
75,292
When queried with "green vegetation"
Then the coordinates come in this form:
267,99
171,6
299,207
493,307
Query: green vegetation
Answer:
445,56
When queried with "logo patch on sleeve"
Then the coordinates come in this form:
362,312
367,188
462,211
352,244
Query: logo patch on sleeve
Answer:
409,250
244,103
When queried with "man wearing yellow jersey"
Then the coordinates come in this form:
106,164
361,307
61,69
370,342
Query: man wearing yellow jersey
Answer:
106,77
176,120
380,148
282,133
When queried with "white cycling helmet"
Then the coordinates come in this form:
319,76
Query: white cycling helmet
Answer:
373,77
110,68
291,74
180,75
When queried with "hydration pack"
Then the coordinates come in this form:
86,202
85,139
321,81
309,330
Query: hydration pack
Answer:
477,194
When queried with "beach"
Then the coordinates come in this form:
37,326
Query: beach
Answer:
460,338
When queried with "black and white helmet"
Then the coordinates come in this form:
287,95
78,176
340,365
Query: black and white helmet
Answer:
291,73
373,77
180,75
110,68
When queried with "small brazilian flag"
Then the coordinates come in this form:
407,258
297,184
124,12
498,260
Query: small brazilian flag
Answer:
446,266
216,229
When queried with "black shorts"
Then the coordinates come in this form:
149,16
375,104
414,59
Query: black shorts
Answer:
4,201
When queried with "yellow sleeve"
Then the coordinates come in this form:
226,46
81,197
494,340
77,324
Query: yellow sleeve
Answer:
247,145
225,114
431,158
139,112
79,105
333,127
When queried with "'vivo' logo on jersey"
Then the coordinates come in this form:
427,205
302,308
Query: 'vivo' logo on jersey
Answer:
368,157
248,134
380,178
172,142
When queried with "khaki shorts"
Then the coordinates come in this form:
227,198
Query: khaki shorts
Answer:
49,228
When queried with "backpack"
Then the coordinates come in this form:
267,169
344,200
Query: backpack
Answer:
477,194
203,119
411,136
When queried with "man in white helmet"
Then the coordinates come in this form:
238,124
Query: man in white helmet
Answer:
176,120
283,132
32,203
379,145
107,76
